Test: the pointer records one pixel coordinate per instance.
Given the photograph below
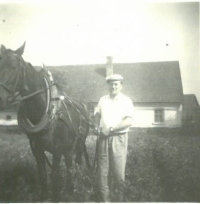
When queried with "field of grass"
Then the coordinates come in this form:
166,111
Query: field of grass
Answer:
162,167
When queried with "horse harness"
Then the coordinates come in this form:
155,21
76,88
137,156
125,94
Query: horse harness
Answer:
52,111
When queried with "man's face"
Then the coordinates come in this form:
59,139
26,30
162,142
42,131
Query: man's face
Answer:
115,87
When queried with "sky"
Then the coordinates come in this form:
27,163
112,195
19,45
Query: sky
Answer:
71,32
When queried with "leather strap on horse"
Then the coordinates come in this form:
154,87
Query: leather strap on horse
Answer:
45,121
79,134
77,105
6,88
36,92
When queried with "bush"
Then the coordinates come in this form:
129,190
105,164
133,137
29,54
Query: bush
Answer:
160,168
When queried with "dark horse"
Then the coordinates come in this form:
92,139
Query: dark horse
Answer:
52,122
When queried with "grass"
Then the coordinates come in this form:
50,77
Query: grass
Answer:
161,167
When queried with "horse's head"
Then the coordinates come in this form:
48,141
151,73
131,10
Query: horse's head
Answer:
11,73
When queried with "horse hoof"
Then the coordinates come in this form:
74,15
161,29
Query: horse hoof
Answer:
47,201
56,199
44,197
70,189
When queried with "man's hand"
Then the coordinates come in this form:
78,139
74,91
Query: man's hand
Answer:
96,131
106,131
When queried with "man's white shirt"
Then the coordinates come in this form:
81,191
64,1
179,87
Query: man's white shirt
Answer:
113,111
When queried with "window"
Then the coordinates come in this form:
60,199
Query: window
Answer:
159,116
8,117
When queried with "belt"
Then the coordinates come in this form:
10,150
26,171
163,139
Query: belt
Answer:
119,133
113,134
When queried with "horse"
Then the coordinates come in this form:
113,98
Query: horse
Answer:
53,122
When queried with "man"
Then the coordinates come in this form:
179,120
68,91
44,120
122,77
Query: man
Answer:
113,117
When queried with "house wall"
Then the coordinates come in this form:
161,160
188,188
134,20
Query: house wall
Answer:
145,118
8,118
144,114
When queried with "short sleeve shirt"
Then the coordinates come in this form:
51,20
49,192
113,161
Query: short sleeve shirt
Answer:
113,111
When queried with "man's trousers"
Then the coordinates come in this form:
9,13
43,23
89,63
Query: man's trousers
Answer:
112,154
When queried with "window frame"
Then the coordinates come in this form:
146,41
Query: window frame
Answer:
159,116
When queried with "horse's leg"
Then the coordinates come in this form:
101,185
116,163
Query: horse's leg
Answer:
55,176
80,149
69,179
40,159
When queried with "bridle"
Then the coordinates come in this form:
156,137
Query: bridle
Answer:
17,81
15,93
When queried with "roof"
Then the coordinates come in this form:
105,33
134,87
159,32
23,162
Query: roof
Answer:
190,100
143,82
190,106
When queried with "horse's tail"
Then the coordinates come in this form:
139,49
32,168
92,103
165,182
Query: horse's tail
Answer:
81,150
86,155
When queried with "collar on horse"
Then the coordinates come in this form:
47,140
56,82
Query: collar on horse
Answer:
52,108
50,111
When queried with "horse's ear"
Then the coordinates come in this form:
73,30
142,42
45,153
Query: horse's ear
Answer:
3,48
44,67
20,50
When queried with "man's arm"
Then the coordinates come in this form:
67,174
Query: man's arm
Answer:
97,118
127,122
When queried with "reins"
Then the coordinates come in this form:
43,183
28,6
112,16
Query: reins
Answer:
35,93
6,88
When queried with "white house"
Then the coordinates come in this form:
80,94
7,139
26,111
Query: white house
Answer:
154,87
8,117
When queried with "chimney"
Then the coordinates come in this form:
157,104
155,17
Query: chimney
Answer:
109,66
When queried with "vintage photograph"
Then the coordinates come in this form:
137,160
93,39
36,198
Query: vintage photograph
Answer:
99,101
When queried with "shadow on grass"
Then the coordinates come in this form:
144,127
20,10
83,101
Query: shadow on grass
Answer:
12,129
19,184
